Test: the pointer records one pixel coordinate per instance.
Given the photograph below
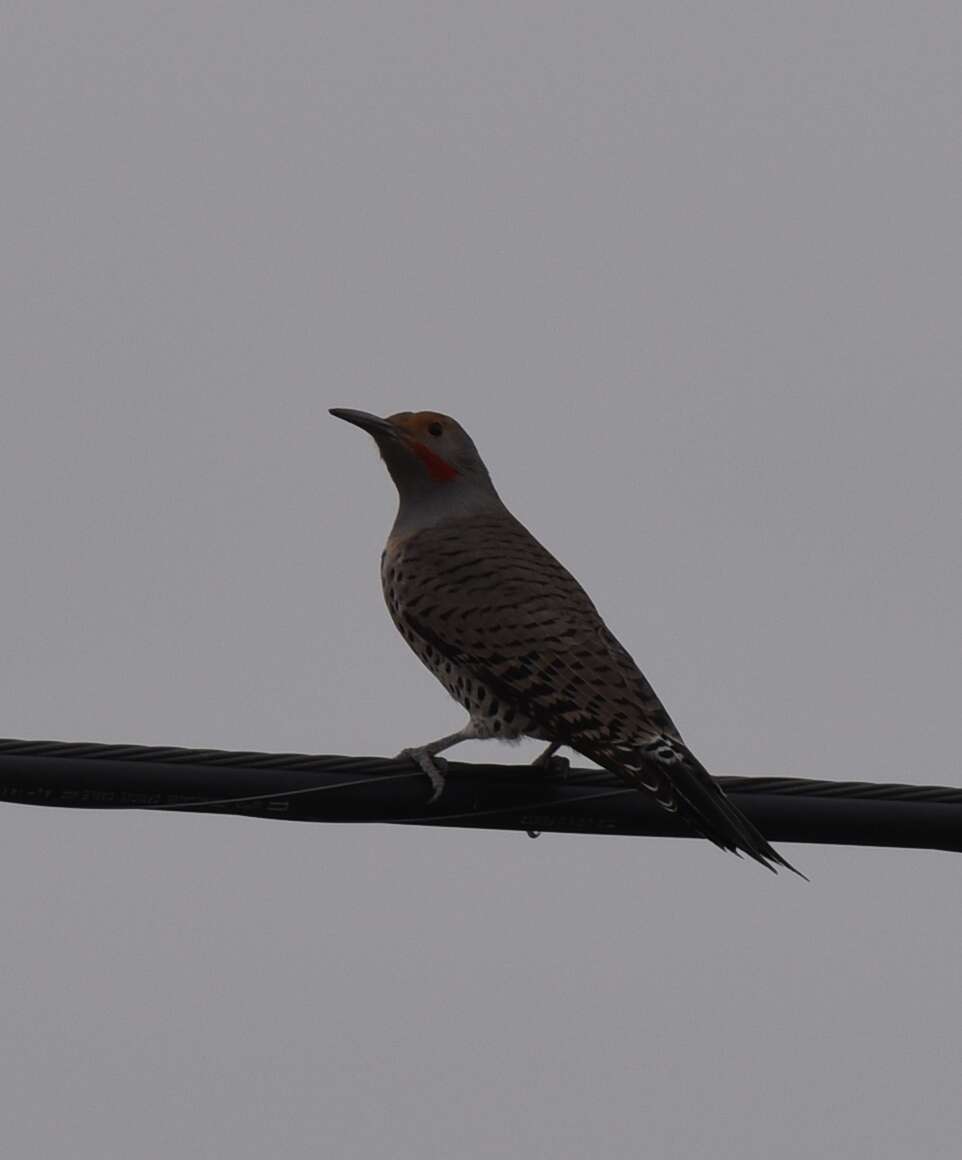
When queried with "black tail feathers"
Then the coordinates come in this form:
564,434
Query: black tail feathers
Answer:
678,780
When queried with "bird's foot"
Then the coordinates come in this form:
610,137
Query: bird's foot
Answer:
433,767
552,767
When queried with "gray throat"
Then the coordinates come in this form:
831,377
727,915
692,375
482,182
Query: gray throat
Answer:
460,499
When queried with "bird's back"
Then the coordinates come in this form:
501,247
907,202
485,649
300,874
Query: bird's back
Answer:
484,593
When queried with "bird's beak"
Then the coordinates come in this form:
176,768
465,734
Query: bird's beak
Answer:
373,424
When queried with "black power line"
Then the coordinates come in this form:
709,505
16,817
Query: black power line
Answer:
306,788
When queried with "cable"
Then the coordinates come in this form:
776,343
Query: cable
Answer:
316,788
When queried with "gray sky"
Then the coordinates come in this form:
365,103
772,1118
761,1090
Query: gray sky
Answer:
690,275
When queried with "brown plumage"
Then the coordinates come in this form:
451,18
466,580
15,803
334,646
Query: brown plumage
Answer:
515,638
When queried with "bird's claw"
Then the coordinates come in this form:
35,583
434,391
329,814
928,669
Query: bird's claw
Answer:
554,767
431,766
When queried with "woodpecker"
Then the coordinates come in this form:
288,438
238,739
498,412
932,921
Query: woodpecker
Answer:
514,637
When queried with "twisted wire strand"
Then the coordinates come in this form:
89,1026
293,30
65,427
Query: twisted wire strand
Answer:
377,767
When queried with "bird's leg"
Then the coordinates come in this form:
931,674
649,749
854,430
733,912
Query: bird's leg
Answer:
425,757
550,765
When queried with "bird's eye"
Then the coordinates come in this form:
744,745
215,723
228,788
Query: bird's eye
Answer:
435,429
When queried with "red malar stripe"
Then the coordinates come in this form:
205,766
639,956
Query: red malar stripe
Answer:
438,468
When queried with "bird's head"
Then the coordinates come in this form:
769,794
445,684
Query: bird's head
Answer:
428,454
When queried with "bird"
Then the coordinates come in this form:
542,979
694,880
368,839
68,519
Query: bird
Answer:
513,636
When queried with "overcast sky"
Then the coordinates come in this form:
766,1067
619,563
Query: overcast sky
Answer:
691,276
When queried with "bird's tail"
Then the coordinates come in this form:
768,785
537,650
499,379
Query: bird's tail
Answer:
679,782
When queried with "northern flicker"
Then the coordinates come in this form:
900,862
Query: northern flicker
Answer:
514,637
